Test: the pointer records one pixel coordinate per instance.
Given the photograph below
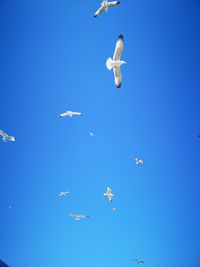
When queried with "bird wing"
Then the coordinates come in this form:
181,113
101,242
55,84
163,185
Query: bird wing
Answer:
118,48
109,190
99,11
113,3
3,134
117,76
83,216
73,215
110,198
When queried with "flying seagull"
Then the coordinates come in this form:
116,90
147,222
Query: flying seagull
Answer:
114,209
63,194
109,194
77,217
70,114
139,161
116,62
7,137
105,6
91,134
138,261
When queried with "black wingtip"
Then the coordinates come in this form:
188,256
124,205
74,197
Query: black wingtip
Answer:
118,86
95,16
118,2
121,37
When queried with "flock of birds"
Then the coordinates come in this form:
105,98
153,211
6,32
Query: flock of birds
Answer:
111,63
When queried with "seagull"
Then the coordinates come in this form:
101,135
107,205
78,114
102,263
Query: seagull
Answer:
70,114
105,6
114,209
63,194
138,261
139,161
116,62
77,217
109,194
7,137
91,134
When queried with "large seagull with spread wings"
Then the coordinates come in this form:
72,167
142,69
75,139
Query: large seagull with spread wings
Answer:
105,6
77,217
7,137
116,62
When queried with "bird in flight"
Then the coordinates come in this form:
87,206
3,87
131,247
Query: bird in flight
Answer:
105,6
7,137
116,62
63,194
114,209
109,194
91,134
138,261
77,217
139,161
70,114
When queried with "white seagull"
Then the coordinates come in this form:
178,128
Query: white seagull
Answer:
114,209
116,62
91,134
139,161
105,6
77,217
7,137
138,261
70,114
109,194
63,194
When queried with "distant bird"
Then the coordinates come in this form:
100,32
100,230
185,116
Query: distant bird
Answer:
105,6
139,161
91,134
63,194
77,217
138,261
7,137
114,209
70,114
109,194
116,62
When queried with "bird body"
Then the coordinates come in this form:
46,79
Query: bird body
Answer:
105,5
116,62
109,194
62,194
77,217
138,261
70,114
139,161
7,137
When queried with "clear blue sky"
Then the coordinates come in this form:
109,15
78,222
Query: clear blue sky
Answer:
52,59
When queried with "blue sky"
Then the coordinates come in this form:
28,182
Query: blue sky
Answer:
52,59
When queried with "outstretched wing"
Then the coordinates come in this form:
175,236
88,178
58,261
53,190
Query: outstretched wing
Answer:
117,76
118,48
73,215
110,198
109,190
99,11
113,3
3,134
83,216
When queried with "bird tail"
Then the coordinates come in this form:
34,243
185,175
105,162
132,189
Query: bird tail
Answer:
109,63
